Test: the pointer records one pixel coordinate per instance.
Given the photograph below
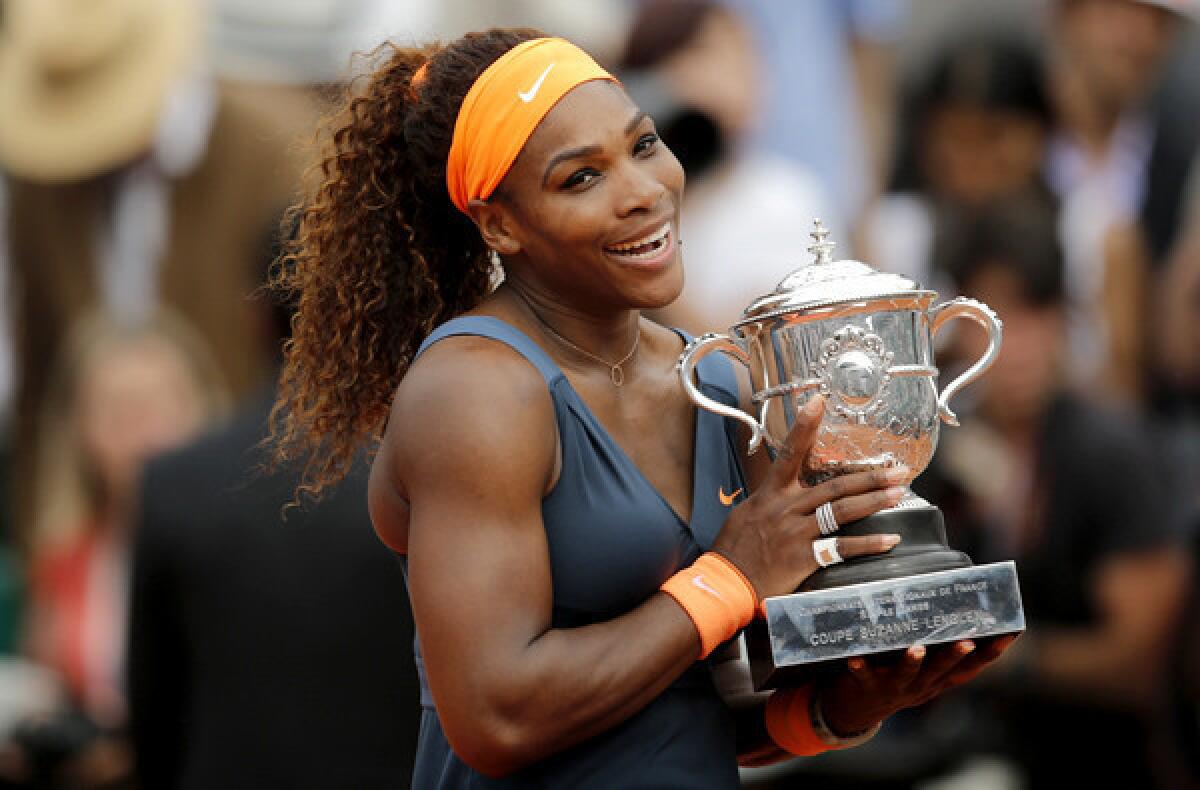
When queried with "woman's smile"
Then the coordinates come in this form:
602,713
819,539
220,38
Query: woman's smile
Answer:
655,249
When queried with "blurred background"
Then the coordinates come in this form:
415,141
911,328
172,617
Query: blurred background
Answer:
162,626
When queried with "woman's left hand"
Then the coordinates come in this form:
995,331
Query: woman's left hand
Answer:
855,700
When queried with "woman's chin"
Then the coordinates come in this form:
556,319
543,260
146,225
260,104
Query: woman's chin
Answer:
663,291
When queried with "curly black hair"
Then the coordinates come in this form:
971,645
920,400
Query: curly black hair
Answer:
380,256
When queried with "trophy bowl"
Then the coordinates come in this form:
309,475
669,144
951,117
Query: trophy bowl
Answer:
862,339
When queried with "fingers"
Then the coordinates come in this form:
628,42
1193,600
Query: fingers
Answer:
909,667
855,507
947,660
861,546
857,483
994,647
979,661
786,468
876,678
920,673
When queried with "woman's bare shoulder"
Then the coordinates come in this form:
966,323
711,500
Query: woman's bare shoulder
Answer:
457,375
467,404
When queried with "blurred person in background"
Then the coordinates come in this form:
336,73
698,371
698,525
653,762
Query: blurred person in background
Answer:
265,650
1175,111
973,131
1105,60
11,578
118,395
1074,492
134,180
693,65
599,26
1176,332
1177,351
287,59
829,89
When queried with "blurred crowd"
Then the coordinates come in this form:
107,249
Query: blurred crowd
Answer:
164,622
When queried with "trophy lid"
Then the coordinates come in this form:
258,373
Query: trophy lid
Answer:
826,282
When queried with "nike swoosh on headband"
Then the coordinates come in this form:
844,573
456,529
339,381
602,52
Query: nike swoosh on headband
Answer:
531,94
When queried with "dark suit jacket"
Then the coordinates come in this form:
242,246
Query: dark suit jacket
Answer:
265,653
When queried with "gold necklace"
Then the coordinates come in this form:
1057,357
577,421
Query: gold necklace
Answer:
614,368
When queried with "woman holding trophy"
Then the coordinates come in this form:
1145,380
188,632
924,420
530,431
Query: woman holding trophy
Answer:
578,538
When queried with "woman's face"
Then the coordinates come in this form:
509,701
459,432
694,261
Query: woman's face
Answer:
590,208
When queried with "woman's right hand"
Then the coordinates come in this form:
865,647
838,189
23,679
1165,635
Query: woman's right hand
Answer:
770,535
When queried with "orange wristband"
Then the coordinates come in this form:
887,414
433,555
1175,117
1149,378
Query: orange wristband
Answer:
715,594
796,724
790,722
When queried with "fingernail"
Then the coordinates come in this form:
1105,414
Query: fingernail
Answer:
897,475
814,406
916,651
895,493
856,664
966,647
890,541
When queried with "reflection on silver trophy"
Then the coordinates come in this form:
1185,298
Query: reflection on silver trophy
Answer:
863,339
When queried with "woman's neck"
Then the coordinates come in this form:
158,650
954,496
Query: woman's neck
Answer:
609,336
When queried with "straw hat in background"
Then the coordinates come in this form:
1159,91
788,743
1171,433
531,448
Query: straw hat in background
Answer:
83,82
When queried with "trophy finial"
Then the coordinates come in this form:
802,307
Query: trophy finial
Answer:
821,248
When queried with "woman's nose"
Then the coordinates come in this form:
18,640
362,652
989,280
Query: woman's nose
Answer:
641,191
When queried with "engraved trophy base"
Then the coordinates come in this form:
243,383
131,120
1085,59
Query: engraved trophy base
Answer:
922,592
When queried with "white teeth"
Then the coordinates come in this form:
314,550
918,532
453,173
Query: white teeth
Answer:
656,239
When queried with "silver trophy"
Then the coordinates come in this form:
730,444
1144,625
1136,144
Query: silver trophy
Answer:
863,339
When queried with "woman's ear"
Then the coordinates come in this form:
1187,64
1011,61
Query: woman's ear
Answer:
495,226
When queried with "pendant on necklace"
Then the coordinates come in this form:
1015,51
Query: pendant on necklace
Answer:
617,375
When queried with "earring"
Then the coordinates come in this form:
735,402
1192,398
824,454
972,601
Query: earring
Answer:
496,275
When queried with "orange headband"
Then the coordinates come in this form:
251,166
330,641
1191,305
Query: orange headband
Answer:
504,106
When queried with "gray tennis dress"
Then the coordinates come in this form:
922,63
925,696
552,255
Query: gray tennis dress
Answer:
613,540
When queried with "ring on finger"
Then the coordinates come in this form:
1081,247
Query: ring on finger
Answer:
825,519
825,551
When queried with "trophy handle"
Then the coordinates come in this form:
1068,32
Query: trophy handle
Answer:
697,350
985,317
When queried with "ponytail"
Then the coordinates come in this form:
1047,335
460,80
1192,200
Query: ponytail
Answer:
380,255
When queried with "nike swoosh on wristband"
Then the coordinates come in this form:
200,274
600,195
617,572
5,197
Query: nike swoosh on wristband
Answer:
529,95
703,585
727,499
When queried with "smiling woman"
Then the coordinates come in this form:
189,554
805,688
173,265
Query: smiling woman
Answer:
573,557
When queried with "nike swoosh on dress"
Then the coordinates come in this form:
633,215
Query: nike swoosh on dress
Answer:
727,499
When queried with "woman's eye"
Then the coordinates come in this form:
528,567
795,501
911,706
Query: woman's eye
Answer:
645,143
580,177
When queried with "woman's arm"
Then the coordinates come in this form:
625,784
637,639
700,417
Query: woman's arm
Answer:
474,462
